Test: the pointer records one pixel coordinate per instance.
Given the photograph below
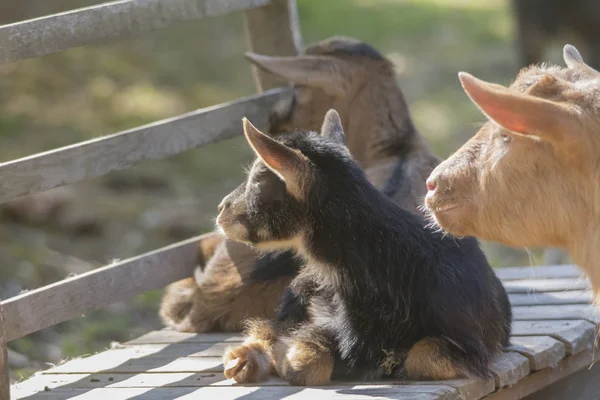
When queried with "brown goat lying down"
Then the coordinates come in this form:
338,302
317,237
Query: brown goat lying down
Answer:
531,175
233,282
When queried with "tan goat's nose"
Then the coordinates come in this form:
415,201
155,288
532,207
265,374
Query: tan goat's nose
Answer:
224,203
431,183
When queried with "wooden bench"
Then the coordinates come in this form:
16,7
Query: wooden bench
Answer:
550,355
554,328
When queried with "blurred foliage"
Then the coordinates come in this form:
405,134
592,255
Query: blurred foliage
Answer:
87,92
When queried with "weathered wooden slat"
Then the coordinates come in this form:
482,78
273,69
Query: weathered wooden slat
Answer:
469,388
61,301
175,350
168,336
568,311
541,272
546,285
551,298
273,30
112,20
545,377
127,361
472,389
4,377
577,336
334,392
509,368
99,156
542,351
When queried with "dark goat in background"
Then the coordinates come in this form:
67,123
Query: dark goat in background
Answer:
539,21
379,294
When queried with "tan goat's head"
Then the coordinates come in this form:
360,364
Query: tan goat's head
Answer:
531,175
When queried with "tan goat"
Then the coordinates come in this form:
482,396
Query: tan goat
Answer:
531,175
235,283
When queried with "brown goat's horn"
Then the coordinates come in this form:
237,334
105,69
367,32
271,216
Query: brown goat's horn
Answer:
327,73
574,60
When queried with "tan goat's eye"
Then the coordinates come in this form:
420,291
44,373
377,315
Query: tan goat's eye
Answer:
505,137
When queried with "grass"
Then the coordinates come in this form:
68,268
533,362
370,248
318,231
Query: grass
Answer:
91,91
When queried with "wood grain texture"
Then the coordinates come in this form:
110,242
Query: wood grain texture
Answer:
334,392
545,377
99,156
471,389
542,351
272,30
468,389
566,311
540,272
546,285
175,350
168,336
61,301
106,21
551,298
583,384
576,335
128,361
509,368
4,377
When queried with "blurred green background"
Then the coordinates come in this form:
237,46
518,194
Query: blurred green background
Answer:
91,91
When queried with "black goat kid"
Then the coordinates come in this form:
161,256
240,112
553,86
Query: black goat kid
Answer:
379,295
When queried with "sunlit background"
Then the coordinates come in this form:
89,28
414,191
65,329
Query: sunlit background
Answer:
92,91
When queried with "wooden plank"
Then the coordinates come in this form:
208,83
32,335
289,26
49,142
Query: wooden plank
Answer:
128,361
541,272
472,389
548,285
509,368
174,350
99,156
273,30
551,298
122,363
577,336
581,385
334,392
168,336
112,20
545,377
468,388
542,351
4,376
143,380
61,301
568,311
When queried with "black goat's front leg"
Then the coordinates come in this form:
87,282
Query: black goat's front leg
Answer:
306,357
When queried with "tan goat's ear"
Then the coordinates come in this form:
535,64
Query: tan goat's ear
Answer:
520,112
330,74
288,164
574,60
332,127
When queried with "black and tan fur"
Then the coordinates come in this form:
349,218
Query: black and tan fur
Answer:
236,283
379,295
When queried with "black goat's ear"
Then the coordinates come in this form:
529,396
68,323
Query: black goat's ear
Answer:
289,164
332,127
